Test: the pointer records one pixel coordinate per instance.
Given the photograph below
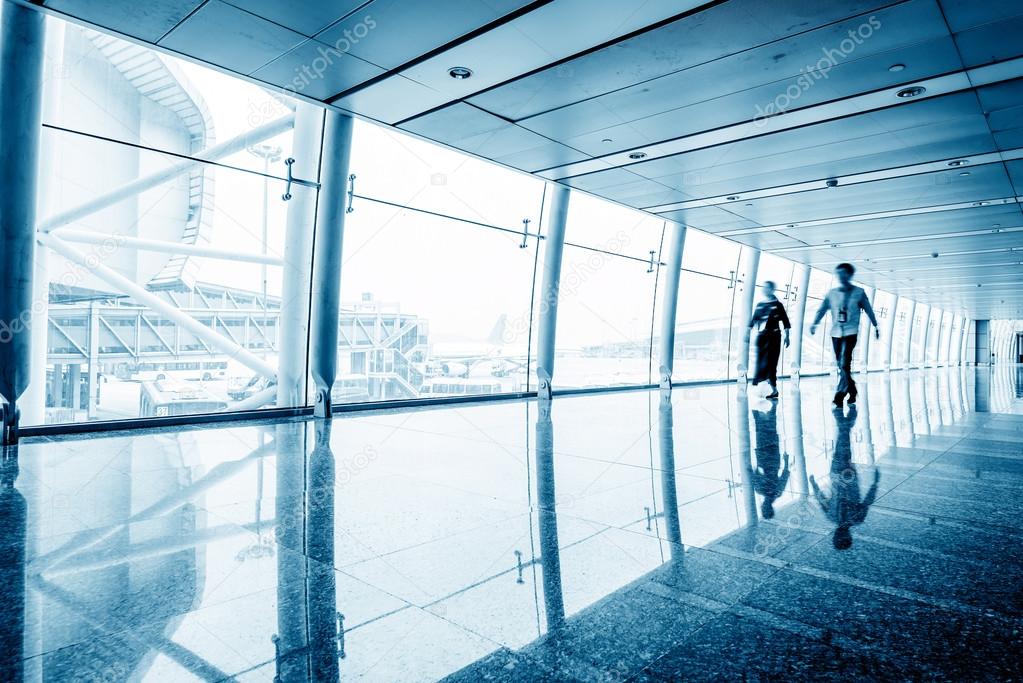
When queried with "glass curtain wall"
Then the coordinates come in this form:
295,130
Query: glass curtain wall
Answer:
884,309
154,171
706,295
174,266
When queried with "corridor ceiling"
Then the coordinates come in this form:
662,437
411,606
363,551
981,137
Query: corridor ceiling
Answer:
889,134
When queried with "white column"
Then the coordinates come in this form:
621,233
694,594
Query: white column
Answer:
865,332
554,246
328,243
908,350
669,301
293,325
22,46
890,333
927,334
798,319
748,277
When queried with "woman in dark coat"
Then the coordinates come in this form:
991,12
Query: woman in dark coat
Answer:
769,314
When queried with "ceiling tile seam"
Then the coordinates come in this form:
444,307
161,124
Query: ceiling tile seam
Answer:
1015,65
590,50
441,49
880,215
780,117
692,66
845,181
200,5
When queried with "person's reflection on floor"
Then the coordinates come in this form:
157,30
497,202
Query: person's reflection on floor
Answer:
769,476
844,506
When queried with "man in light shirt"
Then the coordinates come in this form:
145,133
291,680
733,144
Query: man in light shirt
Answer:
845,303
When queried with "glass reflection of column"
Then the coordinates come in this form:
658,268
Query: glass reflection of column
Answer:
290,641
889,411
863,405
666,446
324,619
982,391
742,434
794,406
547,519
13,527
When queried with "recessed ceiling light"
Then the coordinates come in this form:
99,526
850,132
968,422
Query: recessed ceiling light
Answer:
732,197
460,72
963,174
638,155
912,91
980,203
607,140
958,162
895,68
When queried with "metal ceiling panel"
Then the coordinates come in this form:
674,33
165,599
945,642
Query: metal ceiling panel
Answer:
308,18
978,218
987,182
700,37
474,130
222,34
935,246
754,82
768,241
339,71
148,21
991,42
896,130
964,14
402,30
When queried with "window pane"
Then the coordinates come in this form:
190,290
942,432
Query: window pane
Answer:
883,304
431,307
605,312
703,327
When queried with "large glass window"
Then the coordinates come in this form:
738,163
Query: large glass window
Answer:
903,326
934,324
817,352
884,309
707,292
917,348
162,265
609,276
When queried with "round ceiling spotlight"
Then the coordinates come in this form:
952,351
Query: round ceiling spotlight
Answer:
637,155
831,182
980,203
606,140
912,91
460,73
964,174
958,162
895,68
732,197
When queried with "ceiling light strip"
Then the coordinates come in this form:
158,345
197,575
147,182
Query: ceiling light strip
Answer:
868,216
898,240
855,179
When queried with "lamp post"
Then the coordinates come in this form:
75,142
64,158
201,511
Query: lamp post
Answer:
267,153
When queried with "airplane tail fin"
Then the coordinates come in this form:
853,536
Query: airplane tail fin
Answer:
497,334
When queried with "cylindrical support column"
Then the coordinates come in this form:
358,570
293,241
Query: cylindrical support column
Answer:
22,47
554,247
866,333
927,333
669,301
908,349
799,319
949,322
326,624
669,492
890,334
293,325
748,276
328,242
547,520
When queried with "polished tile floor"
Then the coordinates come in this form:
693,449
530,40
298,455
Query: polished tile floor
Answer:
708,534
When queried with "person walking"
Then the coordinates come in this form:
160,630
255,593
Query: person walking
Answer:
769,314
845,303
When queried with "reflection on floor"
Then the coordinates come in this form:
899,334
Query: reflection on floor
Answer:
628,536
